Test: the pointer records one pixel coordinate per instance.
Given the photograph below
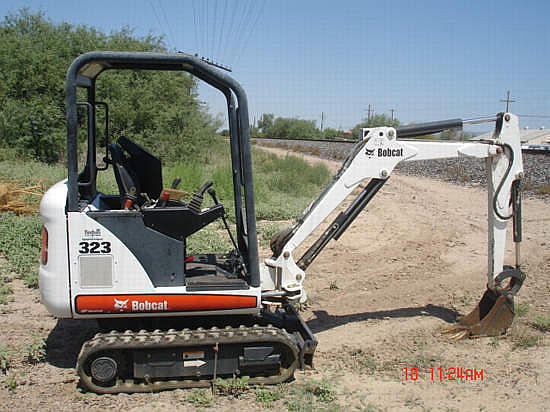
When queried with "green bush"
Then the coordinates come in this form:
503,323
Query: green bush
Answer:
158,109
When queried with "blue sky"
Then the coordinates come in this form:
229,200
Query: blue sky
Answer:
428,60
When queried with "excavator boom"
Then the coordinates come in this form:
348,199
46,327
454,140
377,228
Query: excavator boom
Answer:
374,159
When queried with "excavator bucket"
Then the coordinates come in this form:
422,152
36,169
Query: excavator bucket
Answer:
491,317
495,311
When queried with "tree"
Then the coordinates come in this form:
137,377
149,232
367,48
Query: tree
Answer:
330,133
266,122
158,109
375,121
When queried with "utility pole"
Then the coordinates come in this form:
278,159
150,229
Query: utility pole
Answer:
322,120
392,110
369,110
508,101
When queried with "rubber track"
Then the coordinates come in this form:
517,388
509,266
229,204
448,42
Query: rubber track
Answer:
130,340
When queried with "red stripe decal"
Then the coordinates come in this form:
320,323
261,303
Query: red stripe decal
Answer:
89,304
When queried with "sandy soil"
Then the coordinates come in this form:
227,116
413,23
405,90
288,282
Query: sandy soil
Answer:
379,297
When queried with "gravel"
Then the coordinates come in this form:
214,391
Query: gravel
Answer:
463,171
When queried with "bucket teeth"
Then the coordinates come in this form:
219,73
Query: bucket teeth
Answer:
463,334
491,317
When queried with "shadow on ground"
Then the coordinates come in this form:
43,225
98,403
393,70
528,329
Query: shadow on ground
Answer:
324,321
65,340
67,337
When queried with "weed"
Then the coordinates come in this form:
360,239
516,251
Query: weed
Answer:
4,359
371,407
303,306
5,292
266,230
10,383
209,240
267,397
424,361
543,190
495,342
528,184
234,387
363,360
20,245
523,340
521,309
541,323
465,299
457,173
368,363
322,390
413,402
333,286
200,398
295,405
309,396
35,350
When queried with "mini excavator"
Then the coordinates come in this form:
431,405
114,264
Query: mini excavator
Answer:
171,319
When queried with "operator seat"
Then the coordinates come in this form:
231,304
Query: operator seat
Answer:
125,175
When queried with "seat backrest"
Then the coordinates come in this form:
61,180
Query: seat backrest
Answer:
146,166
126,178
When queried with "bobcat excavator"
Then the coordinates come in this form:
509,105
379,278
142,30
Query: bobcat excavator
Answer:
171,319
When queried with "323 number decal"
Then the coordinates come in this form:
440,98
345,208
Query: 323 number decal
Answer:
95,247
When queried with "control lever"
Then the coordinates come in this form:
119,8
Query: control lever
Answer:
196,201
166,196
176,183
212,193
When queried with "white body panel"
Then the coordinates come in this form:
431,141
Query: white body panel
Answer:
61,279
128,276
53,277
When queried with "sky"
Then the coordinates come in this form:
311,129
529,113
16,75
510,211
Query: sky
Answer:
426,60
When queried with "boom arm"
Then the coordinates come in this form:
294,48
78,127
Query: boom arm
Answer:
375,158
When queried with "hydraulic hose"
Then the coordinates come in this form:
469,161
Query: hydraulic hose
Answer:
495,197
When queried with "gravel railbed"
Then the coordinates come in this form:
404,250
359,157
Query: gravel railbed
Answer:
463,171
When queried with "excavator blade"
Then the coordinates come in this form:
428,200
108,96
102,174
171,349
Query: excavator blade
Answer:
491,317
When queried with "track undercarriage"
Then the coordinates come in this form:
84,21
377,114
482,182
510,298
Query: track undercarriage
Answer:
267,349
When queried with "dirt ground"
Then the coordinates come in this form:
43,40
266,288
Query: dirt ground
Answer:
379,297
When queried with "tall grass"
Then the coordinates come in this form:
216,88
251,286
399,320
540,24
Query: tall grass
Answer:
284,186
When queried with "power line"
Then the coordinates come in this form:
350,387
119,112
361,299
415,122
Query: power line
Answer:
162,9
218,49
207,25
242,25
156,15
195,23
231,26
535,115
214,29
253,27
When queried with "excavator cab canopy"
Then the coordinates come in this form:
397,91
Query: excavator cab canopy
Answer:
84,72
